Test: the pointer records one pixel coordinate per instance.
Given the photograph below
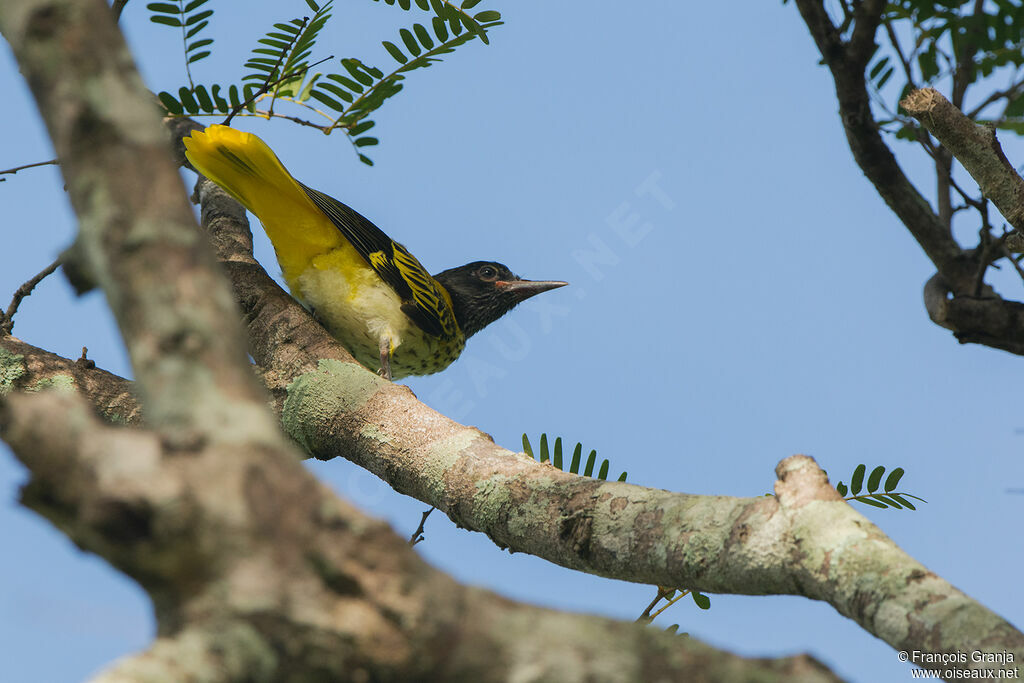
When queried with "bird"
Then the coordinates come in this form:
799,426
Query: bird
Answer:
367,290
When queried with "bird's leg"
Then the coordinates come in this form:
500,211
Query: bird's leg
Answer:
385,358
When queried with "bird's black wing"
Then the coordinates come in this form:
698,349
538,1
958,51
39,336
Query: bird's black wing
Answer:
423,298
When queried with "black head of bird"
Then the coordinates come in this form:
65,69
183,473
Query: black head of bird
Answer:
483,291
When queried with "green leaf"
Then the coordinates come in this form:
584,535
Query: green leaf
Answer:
857,480
888,501
557,460
873,503
165,20
893,480
577,453
395,52
440,30
423,36
203,97
841,487
198,44
405,4
347,82
527,448
884,79
410,42
365,159
903,501
352,66
474,27
170,104
1015,108
589,469
545,455
205,14
875,478
877,68
328,100
199,55
343,94
470,4
163,8
487,16
194,4
701,600
622,477
313,6
189,102
368,142
423,5
602,474
196,29
278,45
218,100
361,128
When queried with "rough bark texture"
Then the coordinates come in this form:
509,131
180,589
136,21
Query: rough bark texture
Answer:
256,571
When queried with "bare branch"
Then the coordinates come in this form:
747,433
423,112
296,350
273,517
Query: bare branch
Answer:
7,318
869,150
12,171
974,146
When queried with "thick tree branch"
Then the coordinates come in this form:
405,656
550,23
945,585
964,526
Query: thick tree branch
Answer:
990,321
847,62
260,573
24,367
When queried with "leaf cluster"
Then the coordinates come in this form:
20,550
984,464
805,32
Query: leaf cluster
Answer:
279,70
555,458
956,40
888,498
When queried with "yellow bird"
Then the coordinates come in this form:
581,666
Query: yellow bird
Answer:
366,289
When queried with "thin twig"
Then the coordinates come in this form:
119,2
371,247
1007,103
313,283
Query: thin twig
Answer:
12,171
1012,258
671,601
7,319
417,536
907,68
645,617
267,86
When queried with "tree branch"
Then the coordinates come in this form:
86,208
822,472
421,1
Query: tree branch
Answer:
260,573
974,146
846,61
24,367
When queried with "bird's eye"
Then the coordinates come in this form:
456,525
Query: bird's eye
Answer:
488,273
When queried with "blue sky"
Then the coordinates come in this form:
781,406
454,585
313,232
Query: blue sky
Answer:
763,301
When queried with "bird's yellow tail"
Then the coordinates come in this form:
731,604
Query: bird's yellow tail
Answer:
243,165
